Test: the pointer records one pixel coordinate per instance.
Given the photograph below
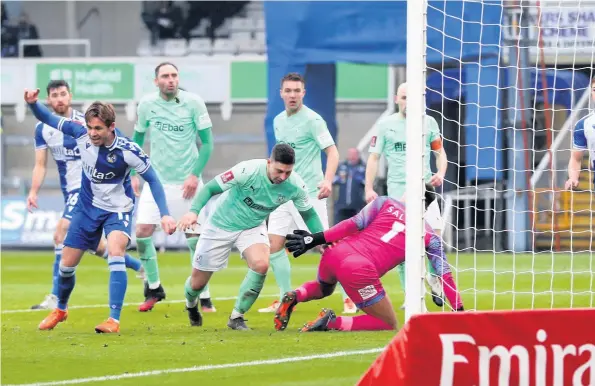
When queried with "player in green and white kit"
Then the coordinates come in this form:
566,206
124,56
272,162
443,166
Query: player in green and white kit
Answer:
175,118
390,140
253,189
306,132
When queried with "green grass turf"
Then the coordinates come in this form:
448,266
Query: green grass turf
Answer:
162,339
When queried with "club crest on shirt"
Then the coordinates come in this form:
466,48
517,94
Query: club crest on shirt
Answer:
373,142
111,158
280,198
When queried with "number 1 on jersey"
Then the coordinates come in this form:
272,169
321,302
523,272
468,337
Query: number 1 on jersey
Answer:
397,228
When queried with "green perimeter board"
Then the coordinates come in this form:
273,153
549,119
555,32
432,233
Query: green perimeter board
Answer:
354,81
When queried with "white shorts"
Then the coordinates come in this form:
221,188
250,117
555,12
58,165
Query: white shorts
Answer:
433,216
148,212
215,244
286,218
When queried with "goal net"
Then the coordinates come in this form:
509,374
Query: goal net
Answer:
507,81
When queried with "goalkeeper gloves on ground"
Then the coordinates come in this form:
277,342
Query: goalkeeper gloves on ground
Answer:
301,241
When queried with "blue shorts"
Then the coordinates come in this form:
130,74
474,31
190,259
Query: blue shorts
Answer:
71,199
89,223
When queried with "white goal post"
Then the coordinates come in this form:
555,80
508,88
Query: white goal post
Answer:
515,237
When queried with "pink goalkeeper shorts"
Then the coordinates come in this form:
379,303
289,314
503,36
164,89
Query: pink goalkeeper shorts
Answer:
355,272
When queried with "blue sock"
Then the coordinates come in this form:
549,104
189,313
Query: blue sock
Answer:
66,281
118,280
56,269
132,263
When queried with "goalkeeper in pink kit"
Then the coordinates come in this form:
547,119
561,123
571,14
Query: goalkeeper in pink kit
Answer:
365,247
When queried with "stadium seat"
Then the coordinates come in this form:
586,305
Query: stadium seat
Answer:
175,47
260,37
251,47
224,46
145,49
242,24
241,36
200,46
259,25
223,30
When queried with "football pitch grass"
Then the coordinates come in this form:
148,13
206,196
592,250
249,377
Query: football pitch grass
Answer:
160,348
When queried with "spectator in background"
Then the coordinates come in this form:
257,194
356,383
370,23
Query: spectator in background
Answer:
350,181
164,19
214,11
26,30
3,14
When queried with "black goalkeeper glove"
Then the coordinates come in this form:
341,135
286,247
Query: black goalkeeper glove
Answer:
301,241
430,194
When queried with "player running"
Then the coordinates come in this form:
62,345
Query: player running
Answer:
583,139
368,245
306,132
68,160
253,189
390,140
175,117
106,203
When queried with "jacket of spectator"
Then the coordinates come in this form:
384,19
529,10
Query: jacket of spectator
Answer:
350,182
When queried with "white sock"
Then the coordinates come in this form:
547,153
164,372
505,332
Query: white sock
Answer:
193,304
235,315
205,294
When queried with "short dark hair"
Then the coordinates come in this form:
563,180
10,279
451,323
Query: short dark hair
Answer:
293,77
164,64
104,111
53,84
283,153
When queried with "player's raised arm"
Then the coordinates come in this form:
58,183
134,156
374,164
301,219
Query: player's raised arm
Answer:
42,113
579,145
138,137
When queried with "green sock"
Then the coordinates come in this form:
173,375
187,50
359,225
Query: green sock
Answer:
148,257
279,262
401,271
191,295
192,241
249,291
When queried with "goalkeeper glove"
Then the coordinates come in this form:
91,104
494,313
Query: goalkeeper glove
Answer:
301,241
430,194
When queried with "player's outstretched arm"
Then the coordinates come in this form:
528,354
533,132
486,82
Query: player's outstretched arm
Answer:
150,176
42,113
139,138
579,144
211,189
312,220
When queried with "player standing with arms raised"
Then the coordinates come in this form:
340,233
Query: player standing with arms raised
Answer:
175,118
68,160
583,139
366,247
253,189
306,132
390,140
106,203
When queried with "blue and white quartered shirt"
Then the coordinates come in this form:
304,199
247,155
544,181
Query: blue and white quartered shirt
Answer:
64,151
105,181
583,137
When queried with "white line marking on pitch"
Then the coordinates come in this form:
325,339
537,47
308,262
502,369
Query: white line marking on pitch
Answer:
129,304
204,368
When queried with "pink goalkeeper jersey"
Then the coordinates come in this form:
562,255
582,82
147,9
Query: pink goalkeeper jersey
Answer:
381,236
